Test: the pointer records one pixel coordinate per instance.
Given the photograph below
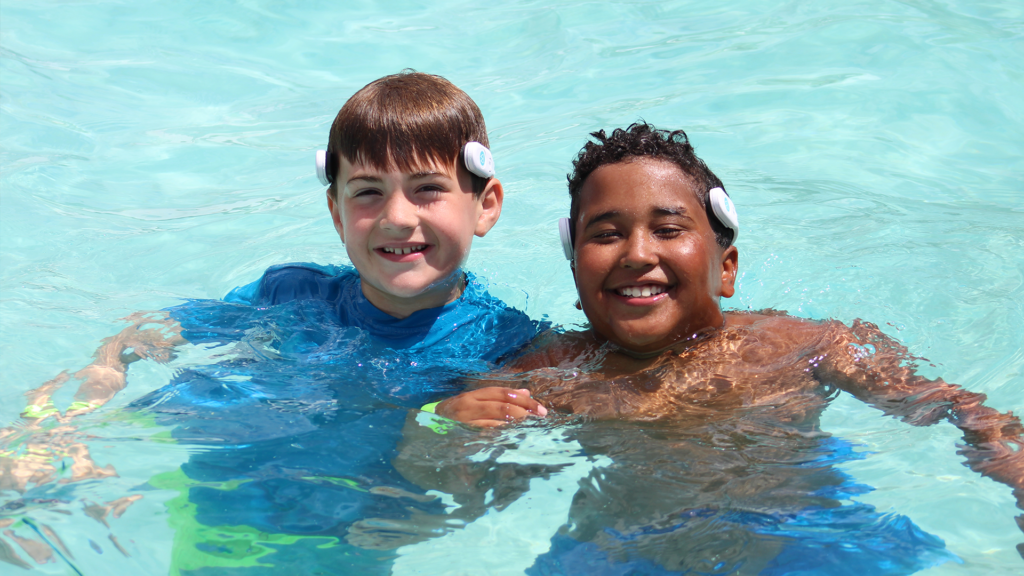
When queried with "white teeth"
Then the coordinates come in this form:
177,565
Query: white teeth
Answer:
641,291
403,251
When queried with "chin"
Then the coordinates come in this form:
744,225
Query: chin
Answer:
407,291
420,287
639,344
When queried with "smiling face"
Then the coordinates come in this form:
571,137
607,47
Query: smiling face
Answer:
647,267
408,233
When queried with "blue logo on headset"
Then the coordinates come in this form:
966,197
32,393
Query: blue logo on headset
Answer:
483,161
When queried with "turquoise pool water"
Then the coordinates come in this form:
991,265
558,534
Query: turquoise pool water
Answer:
153,152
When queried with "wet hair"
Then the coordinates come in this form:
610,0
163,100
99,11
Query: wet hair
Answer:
641,140
405,121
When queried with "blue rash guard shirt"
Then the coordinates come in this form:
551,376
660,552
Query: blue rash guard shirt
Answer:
474,326
301,406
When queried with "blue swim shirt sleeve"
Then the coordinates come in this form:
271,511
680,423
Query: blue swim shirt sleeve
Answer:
512,331
211,320
501,331
227,320
289,282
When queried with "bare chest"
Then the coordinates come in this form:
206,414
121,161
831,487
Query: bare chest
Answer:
718,376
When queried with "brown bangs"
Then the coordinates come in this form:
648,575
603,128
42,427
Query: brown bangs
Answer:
405,121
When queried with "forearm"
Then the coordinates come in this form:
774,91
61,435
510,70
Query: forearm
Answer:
887,380
148,337
106,376
995,447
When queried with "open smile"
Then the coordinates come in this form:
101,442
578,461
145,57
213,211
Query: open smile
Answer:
406,253
641,294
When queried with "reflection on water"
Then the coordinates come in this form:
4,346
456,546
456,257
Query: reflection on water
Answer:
740,493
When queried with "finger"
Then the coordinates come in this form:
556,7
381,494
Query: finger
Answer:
502,411
520,397
524,400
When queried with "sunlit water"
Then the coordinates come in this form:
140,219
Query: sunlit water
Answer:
154,152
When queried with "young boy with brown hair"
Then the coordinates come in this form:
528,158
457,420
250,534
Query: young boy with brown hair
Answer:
320,364
410,181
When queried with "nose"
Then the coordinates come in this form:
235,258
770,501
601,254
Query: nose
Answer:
639,252
398,214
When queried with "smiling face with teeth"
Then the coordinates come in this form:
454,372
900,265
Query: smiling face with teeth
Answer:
648,269
408,233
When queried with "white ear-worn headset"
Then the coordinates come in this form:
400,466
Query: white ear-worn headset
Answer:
475,156
478,159
725,211
721,206
321,168
565,232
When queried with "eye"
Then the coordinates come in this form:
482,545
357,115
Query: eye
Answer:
430,190
668,231
366,193
606,235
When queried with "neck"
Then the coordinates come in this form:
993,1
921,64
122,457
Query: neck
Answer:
675,347
435,296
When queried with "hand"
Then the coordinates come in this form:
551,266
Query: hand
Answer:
491,406
100,384
153,336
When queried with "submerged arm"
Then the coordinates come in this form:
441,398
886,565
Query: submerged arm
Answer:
152,335
29,452
878,370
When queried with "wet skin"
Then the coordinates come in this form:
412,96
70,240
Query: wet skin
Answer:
670,354
649,272
705,411
408,233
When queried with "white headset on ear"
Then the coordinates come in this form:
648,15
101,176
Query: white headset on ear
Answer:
725,211
478,159
475,156
321,168
721,206
565,232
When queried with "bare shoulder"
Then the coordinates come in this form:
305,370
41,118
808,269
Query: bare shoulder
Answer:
553,348
778,326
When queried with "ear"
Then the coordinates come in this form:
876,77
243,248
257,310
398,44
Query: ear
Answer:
730,265
489,206
335,207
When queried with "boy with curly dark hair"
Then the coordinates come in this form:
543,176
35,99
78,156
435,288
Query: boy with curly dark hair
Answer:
651,247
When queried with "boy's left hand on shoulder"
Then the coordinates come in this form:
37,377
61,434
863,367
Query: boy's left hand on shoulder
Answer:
491,406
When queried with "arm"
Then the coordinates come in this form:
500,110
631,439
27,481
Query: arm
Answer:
152,335
886,379
28,452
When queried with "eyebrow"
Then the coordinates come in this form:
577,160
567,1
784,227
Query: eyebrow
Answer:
658,211
414,175
609,215
373,179
428,174
671,211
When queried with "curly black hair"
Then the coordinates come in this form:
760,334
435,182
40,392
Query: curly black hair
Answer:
641,140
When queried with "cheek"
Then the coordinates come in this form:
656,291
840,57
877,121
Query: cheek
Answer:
588,275
596,262
356,218
454,230
356,228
